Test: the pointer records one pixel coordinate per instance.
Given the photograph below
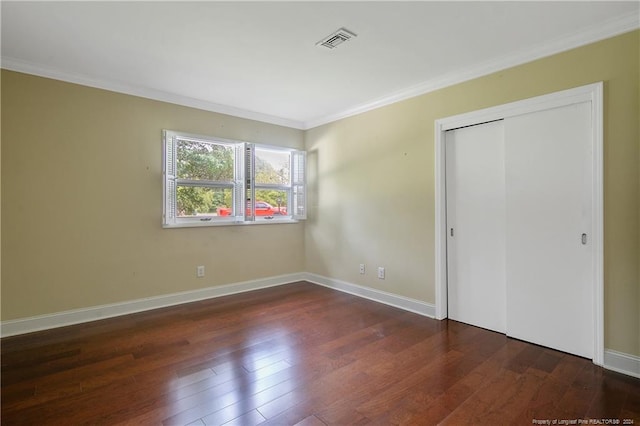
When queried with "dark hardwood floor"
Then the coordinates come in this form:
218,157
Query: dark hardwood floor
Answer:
298,354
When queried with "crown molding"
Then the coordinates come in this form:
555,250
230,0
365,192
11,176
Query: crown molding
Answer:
611,28
17,65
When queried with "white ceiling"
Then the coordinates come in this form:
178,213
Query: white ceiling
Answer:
259,60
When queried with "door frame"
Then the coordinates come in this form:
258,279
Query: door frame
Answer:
590,93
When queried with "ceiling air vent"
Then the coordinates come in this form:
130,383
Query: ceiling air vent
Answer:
337,38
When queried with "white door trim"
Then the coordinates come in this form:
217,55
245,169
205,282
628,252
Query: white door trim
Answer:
590,93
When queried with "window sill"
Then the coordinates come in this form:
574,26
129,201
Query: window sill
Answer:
205,224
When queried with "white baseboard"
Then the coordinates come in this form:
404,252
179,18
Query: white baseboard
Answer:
405,303
613,360
622,363
77,316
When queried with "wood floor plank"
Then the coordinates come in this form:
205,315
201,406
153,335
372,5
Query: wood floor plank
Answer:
298,354
310,421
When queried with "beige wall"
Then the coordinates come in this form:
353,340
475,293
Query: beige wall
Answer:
372,179
82,202
81,192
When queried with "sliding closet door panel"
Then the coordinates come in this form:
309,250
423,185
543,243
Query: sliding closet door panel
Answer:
475,225
548,209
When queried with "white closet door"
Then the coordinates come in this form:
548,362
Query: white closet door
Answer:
475,190
548,209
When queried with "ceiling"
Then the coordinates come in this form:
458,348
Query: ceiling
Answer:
259,60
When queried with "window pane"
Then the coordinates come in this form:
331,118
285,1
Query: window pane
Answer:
205,161
272,166
195,201
271,202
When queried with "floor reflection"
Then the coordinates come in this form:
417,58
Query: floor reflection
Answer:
238,379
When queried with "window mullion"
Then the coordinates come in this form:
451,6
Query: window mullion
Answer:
239,187
249,179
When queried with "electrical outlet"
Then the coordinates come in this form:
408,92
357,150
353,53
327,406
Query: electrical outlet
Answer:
362,268
381,272
200,271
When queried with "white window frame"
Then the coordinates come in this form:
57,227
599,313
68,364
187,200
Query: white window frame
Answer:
243,184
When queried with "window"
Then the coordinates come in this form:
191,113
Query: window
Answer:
212,181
